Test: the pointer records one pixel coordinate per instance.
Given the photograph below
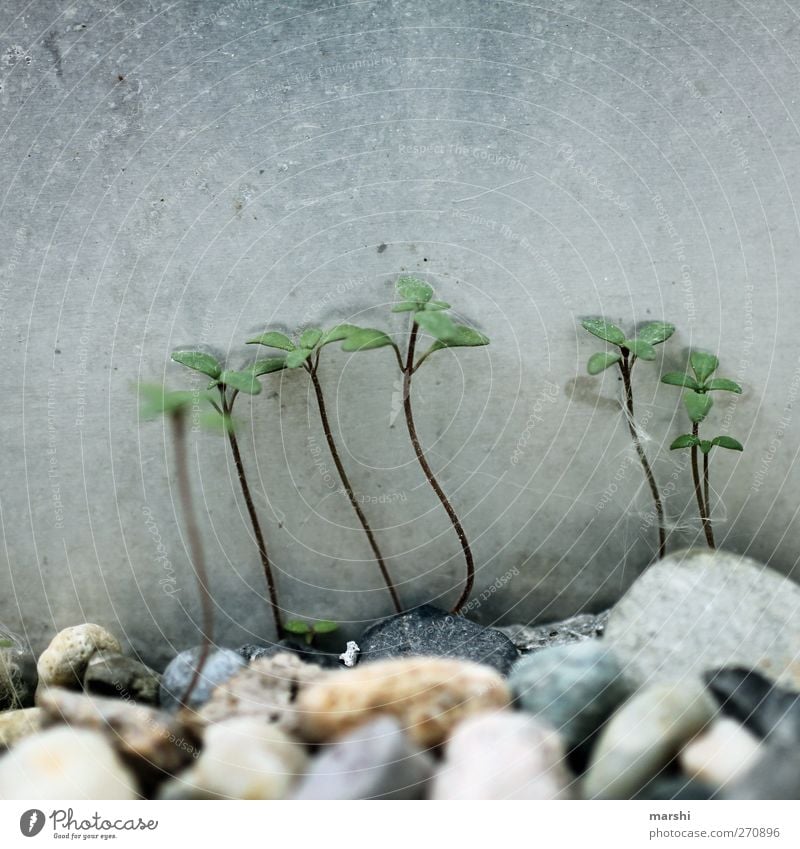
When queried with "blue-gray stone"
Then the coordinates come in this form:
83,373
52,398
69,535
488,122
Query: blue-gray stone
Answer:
574,687
220,665
430,632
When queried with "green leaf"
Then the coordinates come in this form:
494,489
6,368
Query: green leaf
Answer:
439,325
325,626
412,289
156,400
336,334
273,339
198,361
698,405
685,440
365,339
604,330
727,442
267,366
6,644
462,337
406,306
705,445
296,358
310,337
212,420
639,348
434,306
656,332
295,626
724,384
676,378
244,381
703,365
602,360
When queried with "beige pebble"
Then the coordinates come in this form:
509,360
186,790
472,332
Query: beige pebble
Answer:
63,663
722,753
16,724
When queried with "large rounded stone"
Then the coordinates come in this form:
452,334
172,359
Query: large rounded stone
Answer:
217,669
700,610
63,663
111,674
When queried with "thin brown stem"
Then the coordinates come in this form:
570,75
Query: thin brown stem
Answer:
408,370
195,548
227,407
702,504
707,490
625,367
326,428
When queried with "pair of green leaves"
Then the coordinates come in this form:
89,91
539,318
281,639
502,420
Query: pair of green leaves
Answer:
642,346
689,440
310,341
245,380
697,400
309,630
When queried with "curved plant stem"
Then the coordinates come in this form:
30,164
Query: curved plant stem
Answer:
702,500
408,370
625,367
323,414
227,407
195,548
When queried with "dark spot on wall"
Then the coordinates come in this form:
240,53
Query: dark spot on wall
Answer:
382,247
51,45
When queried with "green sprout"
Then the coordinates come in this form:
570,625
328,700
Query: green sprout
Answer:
6,644
156,401
310,630
228,385
698,403
305,354
628,351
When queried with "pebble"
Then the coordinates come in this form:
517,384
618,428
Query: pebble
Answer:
574,687
700,610
503,755
242,758
110,674
17,676
146,738
775,775
755,701
268,688
218,668
63,663
427,696
429,632
644,735
376,761
576,629
722,753
65,763
310,654
16,724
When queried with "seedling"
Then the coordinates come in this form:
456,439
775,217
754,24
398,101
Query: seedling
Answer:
627,353
6,644
305,354
157,401
698,403
310,630
427,315
228,384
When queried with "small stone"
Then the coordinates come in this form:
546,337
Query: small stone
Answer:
774,775
17,675
349,656
16,724
146,738
429,632
267,688
309,654
218,668
109,674
65,763
576,629
242,758
428,697
700,610
574,687
644,735
503,755
755,701
722,753
376,761
63,663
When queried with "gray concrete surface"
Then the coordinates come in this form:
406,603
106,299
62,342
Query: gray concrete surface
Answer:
180,172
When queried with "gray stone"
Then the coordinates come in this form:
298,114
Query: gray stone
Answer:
573,687
429,632
309,654
376,761
697,610
644,735
576,629
220,665
775,775
110,674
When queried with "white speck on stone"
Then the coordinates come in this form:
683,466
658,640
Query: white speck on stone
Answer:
349,656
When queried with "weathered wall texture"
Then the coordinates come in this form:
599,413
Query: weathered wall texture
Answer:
187,172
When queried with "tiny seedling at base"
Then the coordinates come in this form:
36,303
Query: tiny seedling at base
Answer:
309,631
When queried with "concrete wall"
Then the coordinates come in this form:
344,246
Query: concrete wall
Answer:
179,173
